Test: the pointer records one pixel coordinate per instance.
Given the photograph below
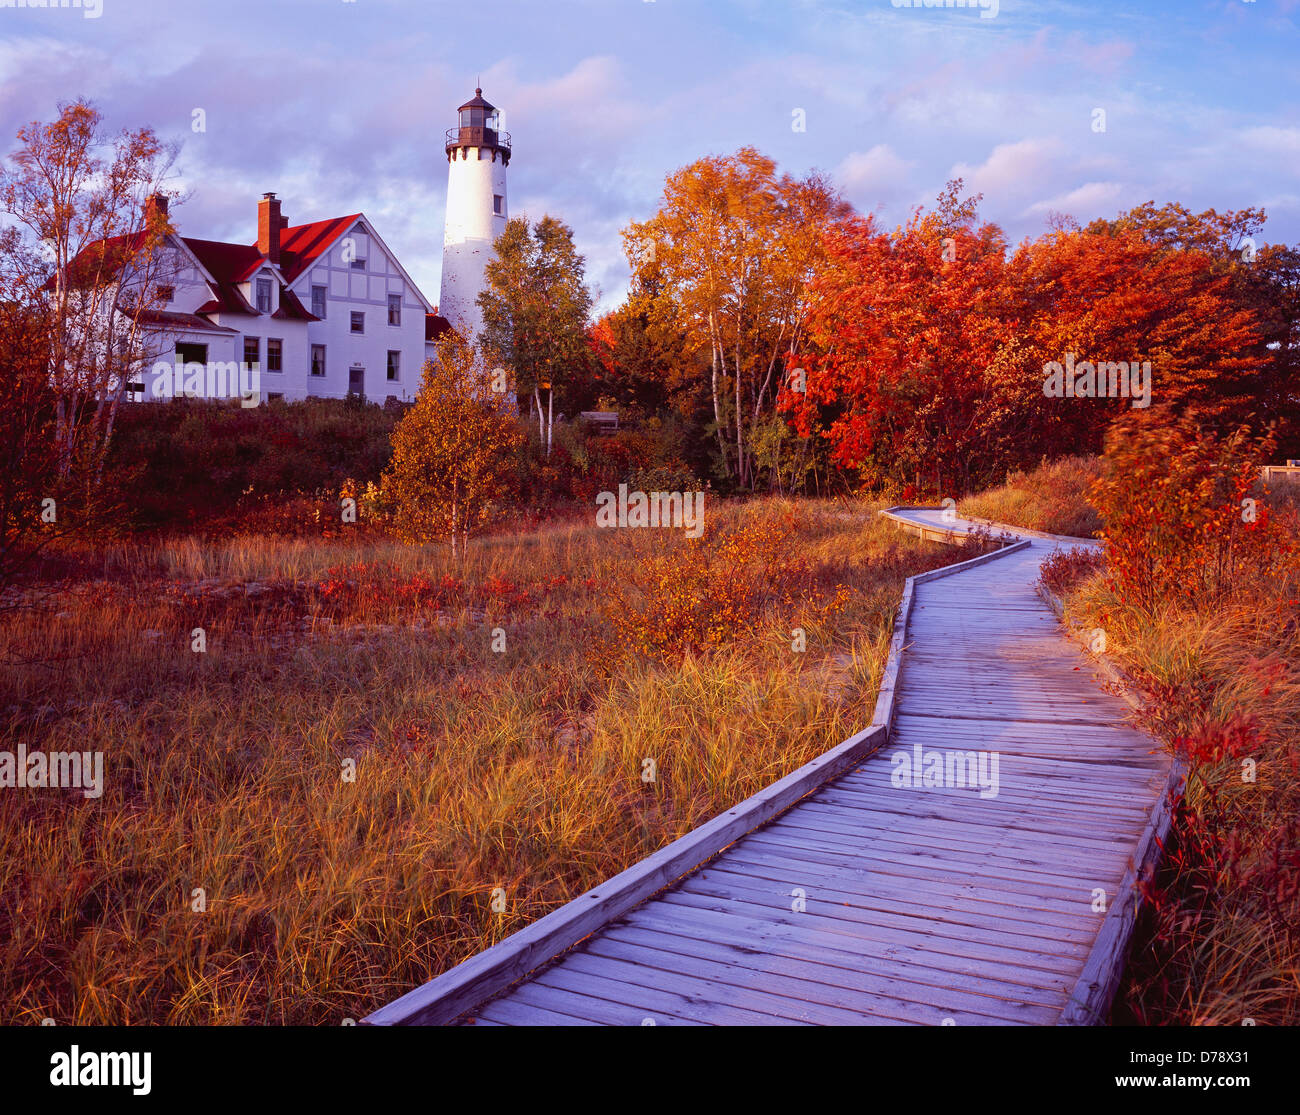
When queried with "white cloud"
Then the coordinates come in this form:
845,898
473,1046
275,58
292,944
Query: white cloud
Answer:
1268,137
1014,169
1086,201
871,179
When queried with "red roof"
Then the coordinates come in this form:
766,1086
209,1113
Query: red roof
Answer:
302,245
231,264
227,263
100,260
226,300
291,308
435,325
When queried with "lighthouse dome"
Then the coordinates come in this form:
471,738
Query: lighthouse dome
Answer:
478,125
476,112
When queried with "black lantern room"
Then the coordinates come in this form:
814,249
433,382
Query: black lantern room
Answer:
479,127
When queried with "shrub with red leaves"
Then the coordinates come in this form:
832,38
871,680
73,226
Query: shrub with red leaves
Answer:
1064,569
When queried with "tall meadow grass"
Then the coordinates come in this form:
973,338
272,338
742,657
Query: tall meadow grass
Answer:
315,814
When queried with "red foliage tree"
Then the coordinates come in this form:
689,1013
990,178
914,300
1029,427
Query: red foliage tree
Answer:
928,347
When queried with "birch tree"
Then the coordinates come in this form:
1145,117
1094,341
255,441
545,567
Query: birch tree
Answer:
735,246
79,194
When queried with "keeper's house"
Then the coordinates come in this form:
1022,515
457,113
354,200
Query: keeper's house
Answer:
321,309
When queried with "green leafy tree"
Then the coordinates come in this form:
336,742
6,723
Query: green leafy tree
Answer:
535,309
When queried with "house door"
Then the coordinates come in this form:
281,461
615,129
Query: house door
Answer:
356,381
187,354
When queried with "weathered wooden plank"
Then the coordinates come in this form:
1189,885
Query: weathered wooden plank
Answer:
917,905
788,997
518,1012
758,943
1010,870
1070,810
762,938
869,997
681,996
991,819
1012,878
939,933
595,1010
1032,842
841,888
1056,772
793,867
1115,802
889,940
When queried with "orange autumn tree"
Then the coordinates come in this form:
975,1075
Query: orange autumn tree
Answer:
1119,296
29,456
928,346
904,363
1183,515
453,452
734,246
642,355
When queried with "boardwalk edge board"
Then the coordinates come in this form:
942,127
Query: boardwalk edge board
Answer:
471,983
991,524
1090,1000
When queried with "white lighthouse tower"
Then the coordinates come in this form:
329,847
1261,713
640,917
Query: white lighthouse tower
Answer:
478,153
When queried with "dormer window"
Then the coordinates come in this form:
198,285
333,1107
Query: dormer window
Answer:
263,296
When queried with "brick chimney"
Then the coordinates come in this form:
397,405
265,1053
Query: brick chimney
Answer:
155,209
269,224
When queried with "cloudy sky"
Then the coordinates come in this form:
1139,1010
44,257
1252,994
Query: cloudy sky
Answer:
341,105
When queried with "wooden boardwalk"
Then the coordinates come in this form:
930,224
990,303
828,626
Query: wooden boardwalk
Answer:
855,899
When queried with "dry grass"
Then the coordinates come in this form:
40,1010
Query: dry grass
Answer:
1219,941
474,769
1052,498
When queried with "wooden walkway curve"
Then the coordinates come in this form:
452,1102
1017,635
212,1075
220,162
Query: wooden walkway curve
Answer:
839,896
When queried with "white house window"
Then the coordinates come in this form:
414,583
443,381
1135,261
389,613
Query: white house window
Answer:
358,321
274,354
498,204
394,309
252,350
359,264
394,365
166,294
318,301
263,296
318,360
